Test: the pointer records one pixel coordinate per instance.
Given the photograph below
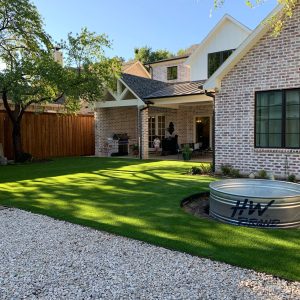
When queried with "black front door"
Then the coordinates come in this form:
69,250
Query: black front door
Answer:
203,131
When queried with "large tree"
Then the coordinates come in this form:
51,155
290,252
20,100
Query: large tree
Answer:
30,75
146,54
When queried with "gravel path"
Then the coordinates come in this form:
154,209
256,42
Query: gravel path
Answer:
41,258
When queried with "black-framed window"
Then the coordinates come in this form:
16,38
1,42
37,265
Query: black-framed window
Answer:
277,119
216,59
172,73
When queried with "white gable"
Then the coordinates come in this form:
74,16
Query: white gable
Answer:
228,34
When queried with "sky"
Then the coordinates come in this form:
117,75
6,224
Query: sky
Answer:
160,24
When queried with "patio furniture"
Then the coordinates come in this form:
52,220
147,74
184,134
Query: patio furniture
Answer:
169,146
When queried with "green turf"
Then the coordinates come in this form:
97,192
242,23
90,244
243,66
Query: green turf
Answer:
140,199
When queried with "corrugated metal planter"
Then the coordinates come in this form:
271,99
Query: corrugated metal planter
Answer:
256,202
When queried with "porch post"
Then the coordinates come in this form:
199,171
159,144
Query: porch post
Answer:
144,133
100,132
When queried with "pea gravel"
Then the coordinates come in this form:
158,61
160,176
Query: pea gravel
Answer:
42,258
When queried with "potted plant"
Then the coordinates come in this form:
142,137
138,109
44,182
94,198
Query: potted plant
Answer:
135,149
187,152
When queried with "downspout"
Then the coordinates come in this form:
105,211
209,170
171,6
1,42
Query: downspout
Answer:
213,96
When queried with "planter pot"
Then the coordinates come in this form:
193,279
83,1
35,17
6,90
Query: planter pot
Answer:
186,156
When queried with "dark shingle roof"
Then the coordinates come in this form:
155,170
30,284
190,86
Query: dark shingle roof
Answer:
178,89
167,59
143,86
146,88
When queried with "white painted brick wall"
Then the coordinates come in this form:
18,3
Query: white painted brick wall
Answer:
274,63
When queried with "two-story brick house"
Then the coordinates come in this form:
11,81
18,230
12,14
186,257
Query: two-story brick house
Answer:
143,107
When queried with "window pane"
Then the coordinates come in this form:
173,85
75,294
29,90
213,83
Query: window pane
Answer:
274,140
263,113
275,112
261,140
269,119
292,140
262,126
292,126
292,111
216,59
293,97
275,126
172,73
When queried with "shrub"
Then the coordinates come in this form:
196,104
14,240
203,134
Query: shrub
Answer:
262,174
206,168
195,171
24,157
291,178
226,170
235,173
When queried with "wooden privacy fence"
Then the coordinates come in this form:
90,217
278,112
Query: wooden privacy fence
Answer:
47,135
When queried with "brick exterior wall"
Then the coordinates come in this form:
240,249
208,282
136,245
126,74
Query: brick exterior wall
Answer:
121,120
114,120
144,133
159,71
274,63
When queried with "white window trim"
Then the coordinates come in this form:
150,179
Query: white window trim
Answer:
156,115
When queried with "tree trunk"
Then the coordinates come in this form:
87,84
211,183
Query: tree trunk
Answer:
17,144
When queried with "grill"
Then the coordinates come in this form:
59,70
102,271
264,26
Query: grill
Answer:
122,140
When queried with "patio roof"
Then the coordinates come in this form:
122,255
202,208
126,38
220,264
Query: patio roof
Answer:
178,89
142,86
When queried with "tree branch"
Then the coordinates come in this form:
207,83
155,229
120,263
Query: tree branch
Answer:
38,101
7,107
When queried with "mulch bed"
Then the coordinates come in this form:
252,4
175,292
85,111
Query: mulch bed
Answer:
197,205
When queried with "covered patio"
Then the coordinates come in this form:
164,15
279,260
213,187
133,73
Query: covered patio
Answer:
130,117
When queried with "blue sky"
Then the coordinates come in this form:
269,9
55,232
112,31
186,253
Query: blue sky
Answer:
161,24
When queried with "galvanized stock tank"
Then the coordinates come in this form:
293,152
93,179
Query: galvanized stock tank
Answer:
256,202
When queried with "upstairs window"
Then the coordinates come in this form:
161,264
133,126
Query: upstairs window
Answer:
216,59
172,73
277,119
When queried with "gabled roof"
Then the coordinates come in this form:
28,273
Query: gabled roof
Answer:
145,88
217,27
178,89
215,80
141,86
135,67
168,59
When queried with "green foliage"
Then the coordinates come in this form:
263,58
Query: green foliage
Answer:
31,76
146,54
207,168
291,178
181,52
262,174
135,147
235,173
195,171
202,169
186,152
277,21
226,169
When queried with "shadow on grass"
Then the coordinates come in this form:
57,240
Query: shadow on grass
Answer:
141,200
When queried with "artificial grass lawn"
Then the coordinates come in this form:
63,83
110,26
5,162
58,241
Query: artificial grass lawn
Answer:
140,199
